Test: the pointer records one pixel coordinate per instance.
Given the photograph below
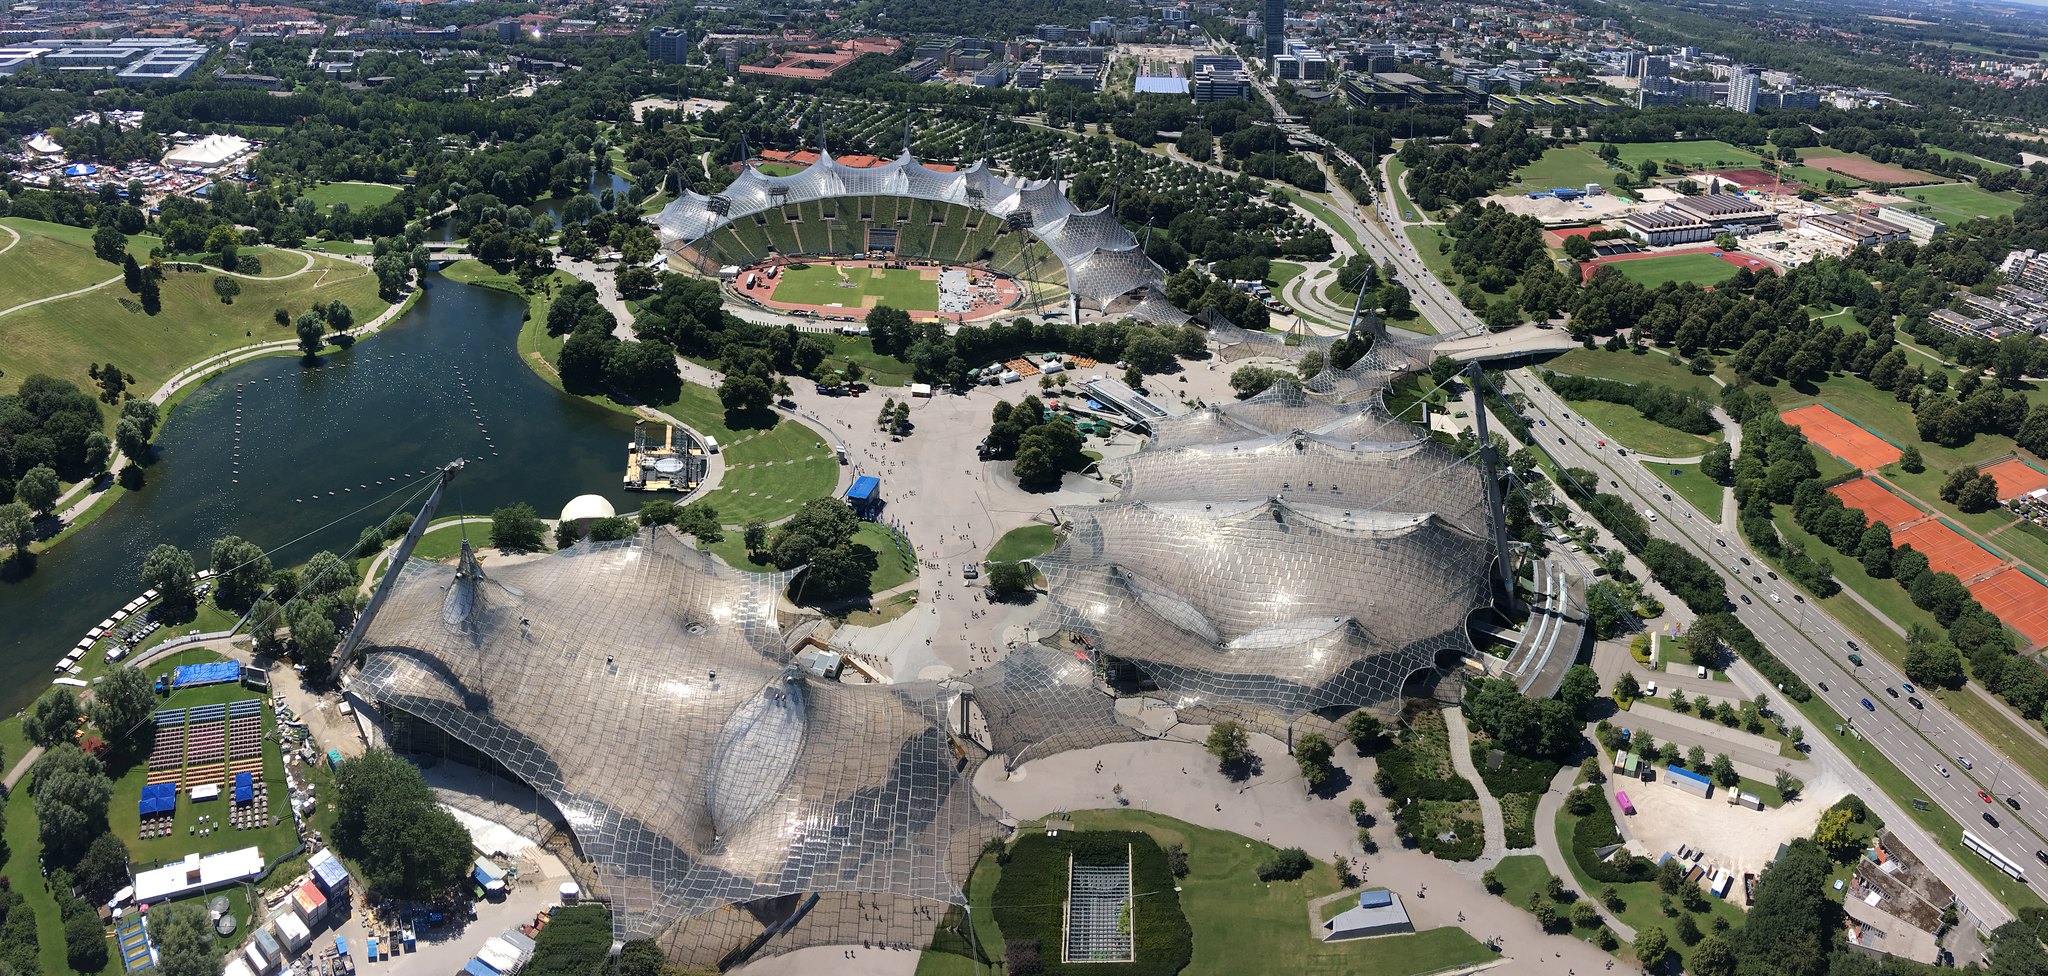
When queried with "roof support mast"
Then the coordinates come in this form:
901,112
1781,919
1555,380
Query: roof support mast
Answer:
1496,518
346,652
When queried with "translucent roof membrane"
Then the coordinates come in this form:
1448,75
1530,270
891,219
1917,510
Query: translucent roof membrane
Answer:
641,686
1103,260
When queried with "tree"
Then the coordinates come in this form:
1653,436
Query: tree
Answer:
516,528
1580,687
226,288
1312,753
265,617
1712,956
1696,758
1835,834
1718,465
1688,930
167,569
38,488
152,296
1230,744
1365,731
1787,786
1910,460
1010,579
1626,687
314,637
312,334
340,317
109,244
611,529
186,945
102,870
1724,771
1284,864
1590,769
71,793
1578,248
1652,945
122,703
1791,923
755,535
17,528
241,572
53,718
388,821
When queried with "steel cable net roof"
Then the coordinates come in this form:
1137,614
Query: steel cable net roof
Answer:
1103,260
1358,477
642,687
1281,606
1282,408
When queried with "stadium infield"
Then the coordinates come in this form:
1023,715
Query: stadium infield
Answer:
1841,437
1877,502
845,290
2019,600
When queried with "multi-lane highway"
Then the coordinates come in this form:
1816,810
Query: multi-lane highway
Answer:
1950,764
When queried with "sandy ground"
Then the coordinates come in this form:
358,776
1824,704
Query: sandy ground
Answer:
1551,210
1734,837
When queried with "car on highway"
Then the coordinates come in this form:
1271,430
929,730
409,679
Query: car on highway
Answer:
1965,762
1981,795
1856,659
1667,496
1988,818
1774,598
1867,706
1907,685
1540,422
1770,574
1601,444
1560,440
1943,770
1756,579
2041,856
1915,702
1894,692
1745,560
1723,543
1823,686
1746,601
1798,597
1611,483
1854,647
2013,802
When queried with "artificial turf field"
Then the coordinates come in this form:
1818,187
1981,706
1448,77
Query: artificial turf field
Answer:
823,284
1702,268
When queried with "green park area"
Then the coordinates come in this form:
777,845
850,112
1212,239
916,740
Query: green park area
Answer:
1959,203
1623,424
41,259
1989,166
64,337
1648,368
894,566
1700,268
779,169
1568,166
1239,924
1688,483
1690,154
1638,904
1024,542
826,284
358,196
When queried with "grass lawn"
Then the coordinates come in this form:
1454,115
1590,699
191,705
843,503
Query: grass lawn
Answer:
1396,169
51,259
892,568
876,369
1022,543
1639,908
1700,268
1960,203
1430,244
1282,272
825,284
1628,367
779,169
24,845
1692,154
1698,491
340,247
1989,166
1242,925
1820,178
62,338
1625,425
1569,166
358,196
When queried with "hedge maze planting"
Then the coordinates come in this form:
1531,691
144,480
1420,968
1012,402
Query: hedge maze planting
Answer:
1030,902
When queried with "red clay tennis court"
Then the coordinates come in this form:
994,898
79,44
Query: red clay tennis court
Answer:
2016,478
2019,600
1947,551
1878,505
1839,436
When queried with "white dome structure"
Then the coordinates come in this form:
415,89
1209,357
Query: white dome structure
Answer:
585,509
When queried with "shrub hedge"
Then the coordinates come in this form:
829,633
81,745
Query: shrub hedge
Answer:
578,942
1030,900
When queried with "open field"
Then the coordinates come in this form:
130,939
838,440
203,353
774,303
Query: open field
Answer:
1648,368
63,337
51,259
824,284
1861,167
1687,481
1692,154
1242,925
1820,178
1958,203
1625,425
358,196
1701,268
1024,542
1569,166
1989,166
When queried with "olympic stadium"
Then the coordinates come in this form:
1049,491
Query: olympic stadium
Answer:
1024,230
1280,561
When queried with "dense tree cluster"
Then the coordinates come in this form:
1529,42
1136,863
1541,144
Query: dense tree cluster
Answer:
51,424
387,822
1673,408
819,538
1044,444
1527,726
1441,176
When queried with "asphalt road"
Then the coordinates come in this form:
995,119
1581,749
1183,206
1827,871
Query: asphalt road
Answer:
1925,743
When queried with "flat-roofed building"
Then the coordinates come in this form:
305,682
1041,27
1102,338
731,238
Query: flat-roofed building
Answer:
1660,227
1922,227
1857,230
1723,208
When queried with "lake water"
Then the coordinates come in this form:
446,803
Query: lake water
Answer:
257,452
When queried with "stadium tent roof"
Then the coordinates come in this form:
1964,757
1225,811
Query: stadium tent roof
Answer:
644,688
1102,258
208,152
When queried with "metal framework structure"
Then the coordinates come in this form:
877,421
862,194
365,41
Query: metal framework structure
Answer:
1104,262
643,687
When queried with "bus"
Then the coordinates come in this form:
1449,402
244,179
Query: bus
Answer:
1999,861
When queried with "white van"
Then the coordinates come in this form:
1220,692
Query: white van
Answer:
1650,690
710,444
1652,516
1703,670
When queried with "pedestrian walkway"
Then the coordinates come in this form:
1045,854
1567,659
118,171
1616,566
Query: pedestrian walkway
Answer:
1489,808
1547,811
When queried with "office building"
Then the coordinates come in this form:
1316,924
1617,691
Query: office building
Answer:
1742,87
669,45
1274,20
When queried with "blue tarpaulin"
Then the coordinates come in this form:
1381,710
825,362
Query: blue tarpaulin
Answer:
245,787
157,798
478,967
864,488
192,675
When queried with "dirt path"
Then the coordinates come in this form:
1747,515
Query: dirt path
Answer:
15,238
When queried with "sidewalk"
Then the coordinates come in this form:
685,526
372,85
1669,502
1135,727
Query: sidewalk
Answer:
1489,808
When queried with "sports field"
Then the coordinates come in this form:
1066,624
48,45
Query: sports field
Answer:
1699,267
1958,203
358,196
2015,477
1691,154
1946,549
825,284
1571,166
1841,437
1863,167
2017,599
1877,502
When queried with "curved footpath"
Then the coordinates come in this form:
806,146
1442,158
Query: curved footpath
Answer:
1489,807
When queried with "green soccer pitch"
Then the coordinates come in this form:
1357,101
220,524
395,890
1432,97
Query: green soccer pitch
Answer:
821,284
